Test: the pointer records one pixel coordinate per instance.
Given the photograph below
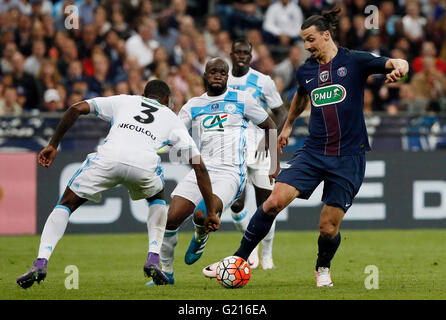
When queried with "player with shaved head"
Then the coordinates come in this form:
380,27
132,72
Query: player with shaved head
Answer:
219,119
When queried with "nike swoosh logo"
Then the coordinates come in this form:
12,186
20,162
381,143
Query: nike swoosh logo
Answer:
306,81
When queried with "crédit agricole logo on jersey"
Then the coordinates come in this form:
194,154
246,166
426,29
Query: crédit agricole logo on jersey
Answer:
331,94
215,122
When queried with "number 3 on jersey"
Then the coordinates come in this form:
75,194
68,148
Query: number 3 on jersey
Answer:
148,112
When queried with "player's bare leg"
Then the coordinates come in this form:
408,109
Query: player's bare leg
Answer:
53,231
328,243
199,240
156,226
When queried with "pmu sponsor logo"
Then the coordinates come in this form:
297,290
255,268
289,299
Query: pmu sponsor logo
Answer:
137,129
328,95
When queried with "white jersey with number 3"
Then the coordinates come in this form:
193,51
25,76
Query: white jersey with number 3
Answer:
139,127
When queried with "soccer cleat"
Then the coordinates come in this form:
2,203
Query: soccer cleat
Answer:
36,273
169,276
211,270
195,249
267,263
153,270
323,277
253,258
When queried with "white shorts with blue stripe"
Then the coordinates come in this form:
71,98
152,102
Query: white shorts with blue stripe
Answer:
225,185
98,174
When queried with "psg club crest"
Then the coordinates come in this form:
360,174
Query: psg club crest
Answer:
214,107
324,76
342,71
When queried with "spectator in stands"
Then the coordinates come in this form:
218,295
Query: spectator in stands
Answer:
8,103
74,74
100,78
429,86
52,101
21,78
165,35
308,8
86,11
224,44
368,102
23,35
40,7
176,12
287,69
428,49
346,34
213,27
6,59
142,44
101,23
120,26
48,78
361,33
413,22
282,23
32,63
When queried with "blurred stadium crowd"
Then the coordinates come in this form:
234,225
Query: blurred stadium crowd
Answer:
119,45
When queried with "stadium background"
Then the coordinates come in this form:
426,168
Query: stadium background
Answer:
48,63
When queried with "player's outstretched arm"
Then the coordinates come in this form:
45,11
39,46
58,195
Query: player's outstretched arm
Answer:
298,105
212,222
399,68
47,155
271,132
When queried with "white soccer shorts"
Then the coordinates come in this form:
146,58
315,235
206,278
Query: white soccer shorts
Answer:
97,175
258,169
226,186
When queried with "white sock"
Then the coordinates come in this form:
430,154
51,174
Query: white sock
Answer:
200,231
241,219
267,242
53,230
156,225
167,252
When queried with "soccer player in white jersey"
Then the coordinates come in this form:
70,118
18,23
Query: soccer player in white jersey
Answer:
220,118
140,125
263,89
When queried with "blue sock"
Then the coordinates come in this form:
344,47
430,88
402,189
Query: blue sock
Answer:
327,249
257,229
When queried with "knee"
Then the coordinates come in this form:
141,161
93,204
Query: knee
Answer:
328,229
238,206
273,205
199,217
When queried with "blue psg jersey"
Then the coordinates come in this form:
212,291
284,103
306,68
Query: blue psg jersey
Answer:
336,91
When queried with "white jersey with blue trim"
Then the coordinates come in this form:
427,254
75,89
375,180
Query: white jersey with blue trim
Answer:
264,90
139,128
219,125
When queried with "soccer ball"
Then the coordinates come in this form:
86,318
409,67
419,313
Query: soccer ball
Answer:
233,272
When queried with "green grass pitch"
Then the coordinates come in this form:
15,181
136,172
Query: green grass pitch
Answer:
411,264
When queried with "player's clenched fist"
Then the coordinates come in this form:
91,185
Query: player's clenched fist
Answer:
46,156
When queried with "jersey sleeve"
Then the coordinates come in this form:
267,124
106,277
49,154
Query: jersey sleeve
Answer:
301,90
370,63
103,107
253,111
185,116
271,95
180,138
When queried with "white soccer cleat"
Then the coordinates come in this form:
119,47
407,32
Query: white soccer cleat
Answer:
323,277
253,258
211,270
267,263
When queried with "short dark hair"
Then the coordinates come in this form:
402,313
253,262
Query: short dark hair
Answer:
328,20
242,41
156,89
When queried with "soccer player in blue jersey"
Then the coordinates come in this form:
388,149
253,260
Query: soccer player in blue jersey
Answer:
333,79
